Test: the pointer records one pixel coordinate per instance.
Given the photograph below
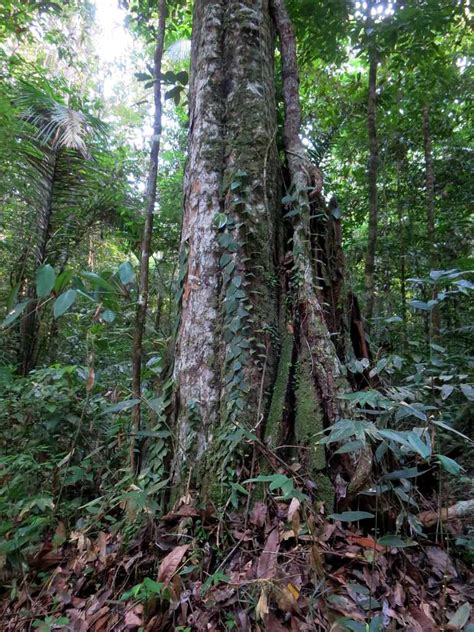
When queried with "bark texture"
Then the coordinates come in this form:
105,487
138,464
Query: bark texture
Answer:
29,327
430,210
372,181
254,348
228,294
143,282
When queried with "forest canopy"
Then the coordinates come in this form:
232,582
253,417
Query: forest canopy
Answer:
236,371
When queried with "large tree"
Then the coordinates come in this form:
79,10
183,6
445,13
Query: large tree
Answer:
260,288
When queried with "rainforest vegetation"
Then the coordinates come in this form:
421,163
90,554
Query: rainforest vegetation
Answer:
236,274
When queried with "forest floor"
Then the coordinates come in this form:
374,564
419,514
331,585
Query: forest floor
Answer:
278,567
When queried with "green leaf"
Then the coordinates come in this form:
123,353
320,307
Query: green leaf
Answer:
353,626
63,279
421,305
121,406
143,76
220,220
398,436
423,449
225,259
45,279
410,472
450,465
152,586
351,516
108,315
445,426
279,481
406,410
182,77
126,273
351,446
64,302
98,281
468,391
394,541
461,616
15,312
446,391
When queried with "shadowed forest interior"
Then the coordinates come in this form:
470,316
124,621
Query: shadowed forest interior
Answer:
236,274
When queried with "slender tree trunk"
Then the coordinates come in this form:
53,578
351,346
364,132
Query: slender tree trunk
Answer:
430,211
372,181
142,303
30,321
402,245
253,350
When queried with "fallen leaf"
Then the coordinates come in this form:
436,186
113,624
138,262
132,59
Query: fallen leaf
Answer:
367,542
262,606
294,591
460,617
258,514
132,620
185,511
170,563
293,508
267,562
272,624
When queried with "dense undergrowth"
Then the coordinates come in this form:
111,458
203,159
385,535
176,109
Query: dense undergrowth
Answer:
76,520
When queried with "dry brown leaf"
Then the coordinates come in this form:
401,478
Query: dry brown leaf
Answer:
262,606
366,541
132,620
293,508
273,625
267,562
258,514
170,563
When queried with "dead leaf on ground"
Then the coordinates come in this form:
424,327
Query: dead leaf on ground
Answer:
171,562
267,562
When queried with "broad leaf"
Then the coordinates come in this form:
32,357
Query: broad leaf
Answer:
460,617
126,273
121,406
64,302
422,448
450,465
14,313
45,279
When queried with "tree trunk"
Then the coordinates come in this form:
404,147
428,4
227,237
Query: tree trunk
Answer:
402,245
430,211
372,180
142,303
29,327
253,351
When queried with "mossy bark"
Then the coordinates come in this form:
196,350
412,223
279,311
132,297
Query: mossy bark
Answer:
253,350
225,351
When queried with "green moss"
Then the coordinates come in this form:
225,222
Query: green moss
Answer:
325,491
308,421
280,387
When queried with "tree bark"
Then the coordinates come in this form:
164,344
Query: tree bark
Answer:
430,211
253,350
228,294
143,282
372,180
30,322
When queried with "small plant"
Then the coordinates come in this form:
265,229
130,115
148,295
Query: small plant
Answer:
50,623
145,591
